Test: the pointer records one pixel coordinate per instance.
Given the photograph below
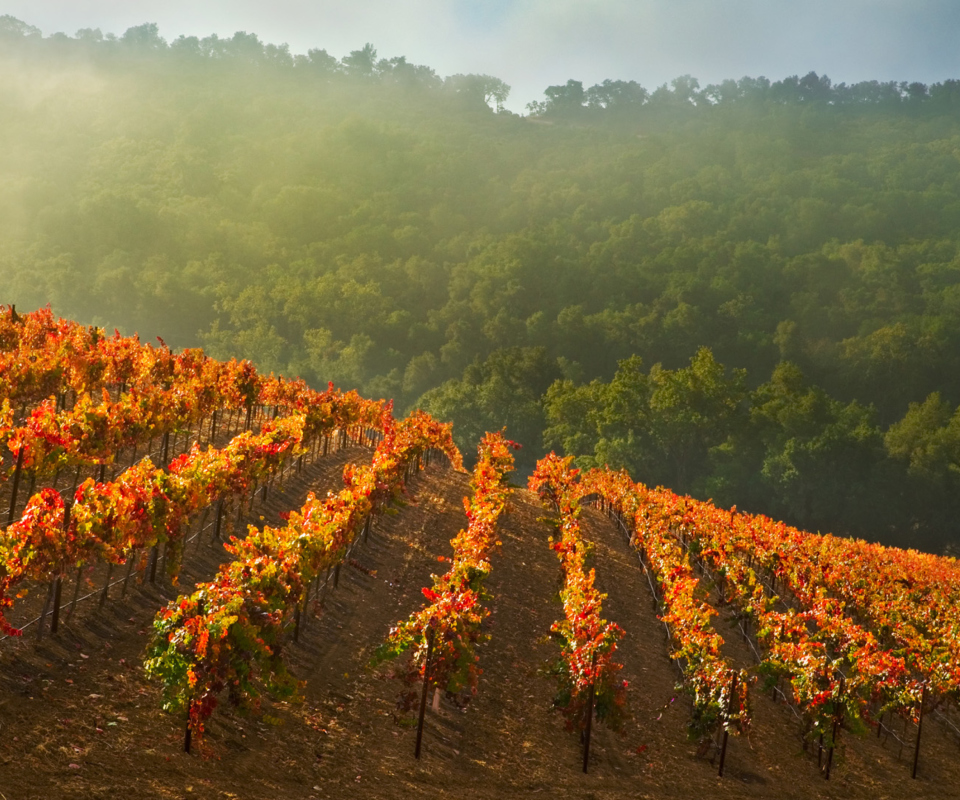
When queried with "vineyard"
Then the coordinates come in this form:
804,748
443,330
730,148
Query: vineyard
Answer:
215,583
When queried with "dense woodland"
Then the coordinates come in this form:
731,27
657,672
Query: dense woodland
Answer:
748,291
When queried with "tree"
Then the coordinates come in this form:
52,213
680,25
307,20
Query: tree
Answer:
361,63
566,98
187,47
321,61
660,426
144,37
244,46
926,443
93,36
946,93
927,439
616,94
728,91
574,424
691,411
13,28
477,89
686,89
819,455
815,88
402,72
503,390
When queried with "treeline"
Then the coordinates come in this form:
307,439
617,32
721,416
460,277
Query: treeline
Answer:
685,92
242,50
564,99
328,219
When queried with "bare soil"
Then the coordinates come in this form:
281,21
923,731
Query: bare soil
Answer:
78,719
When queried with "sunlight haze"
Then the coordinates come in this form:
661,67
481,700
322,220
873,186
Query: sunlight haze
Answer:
531,44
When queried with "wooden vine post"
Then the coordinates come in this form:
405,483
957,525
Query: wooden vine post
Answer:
726,729
590,699
837,720
154,557
58,582
423,693
106,585
76,593
126,580
219,522
55,611
916,751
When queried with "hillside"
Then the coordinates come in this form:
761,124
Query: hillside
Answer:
218,580
81,721
748,291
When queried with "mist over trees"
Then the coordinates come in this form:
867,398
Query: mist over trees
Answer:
748,291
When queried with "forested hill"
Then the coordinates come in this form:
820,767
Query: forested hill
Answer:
748,291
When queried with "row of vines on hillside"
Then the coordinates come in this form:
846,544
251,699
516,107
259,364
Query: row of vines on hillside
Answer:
834,666
144,507
152,393
442,636
853,636
719,691
228,634
586,671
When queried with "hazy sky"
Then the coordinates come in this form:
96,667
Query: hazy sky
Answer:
531,44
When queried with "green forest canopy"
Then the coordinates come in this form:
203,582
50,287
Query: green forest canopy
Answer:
748,291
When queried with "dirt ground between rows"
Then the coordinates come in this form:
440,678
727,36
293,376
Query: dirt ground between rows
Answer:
78,719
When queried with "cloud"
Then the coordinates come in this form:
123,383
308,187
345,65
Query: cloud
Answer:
535,43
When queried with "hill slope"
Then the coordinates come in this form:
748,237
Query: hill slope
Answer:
80,721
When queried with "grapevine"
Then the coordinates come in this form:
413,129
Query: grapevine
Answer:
587,672
455,609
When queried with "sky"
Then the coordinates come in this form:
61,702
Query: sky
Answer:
532,44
